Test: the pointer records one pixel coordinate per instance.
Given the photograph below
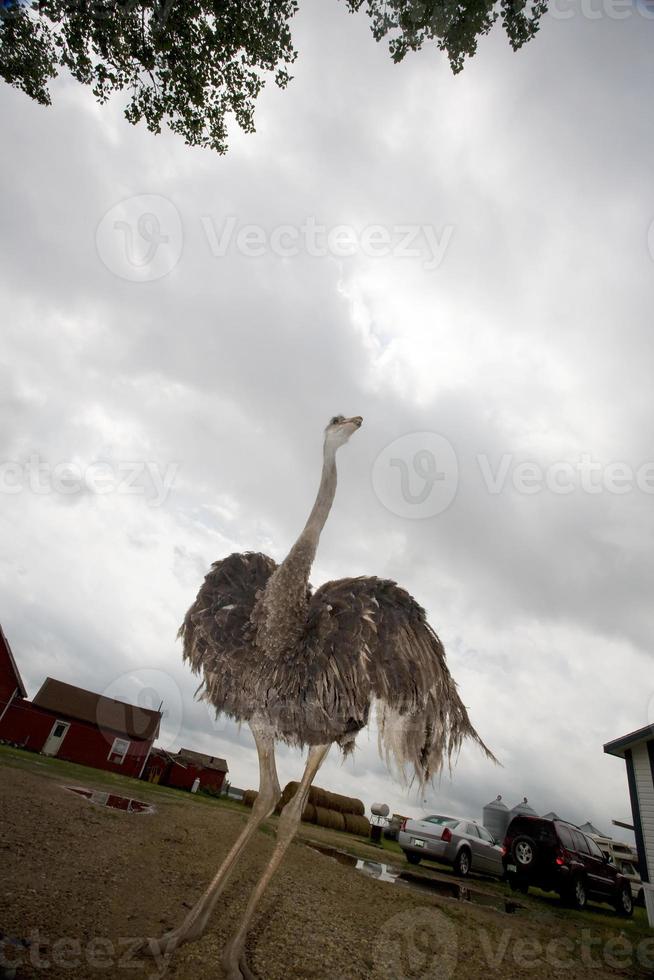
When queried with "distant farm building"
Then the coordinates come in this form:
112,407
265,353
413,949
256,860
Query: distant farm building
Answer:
74,724
181,769
637,750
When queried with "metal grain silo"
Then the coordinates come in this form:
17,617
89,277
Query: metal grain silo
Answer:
495,818
523,810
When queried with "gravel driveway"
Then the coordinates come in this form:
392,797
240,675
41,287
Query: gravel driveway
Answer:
85,881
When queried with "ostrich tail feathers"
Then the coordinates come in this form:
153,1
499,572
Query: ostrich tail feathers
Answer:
418,741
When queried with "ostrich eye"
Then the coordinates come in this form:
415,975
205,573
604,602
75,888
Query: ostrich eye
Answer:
336,419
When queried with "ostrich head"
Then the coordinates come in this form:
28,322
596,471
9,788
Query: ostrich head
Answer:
340,429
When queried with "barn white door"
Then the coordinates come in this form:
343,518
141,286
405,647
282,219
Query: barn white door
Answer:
55,738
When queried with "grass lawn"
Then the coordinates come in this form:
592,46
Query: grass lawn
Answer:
139,789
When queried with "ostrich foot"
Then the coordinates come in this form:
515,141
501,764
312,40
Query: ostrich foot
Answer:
234,964
167,943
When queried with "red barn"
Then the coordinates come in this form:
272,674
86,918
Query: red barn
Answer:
181,769
74,724
11,684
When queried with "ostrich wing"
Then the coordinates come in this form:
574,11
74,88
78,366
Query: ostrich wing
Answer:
217,632
369,639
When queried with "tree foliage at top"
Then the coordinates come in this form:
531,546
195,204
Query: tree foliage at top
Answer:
455,25
194,64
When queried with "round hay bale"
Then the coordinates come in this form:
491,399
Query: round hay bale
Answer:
357,807
333,819
322,816
319,797
356,824
331,800
344,804
249,796
352,805
309,813
338,820
288,793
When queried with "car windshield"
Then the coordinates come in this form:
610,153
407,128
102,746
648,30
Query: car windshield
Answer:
446,821
542,831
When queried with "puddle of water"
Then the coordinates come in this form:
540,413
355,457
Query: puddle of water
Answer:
124,803
438,886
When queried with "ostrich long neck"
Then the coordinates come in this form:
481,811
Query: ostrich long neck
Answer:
284,602
307,543
296,566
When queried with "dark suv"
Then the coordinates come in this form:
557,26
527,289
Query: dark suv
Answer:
558,857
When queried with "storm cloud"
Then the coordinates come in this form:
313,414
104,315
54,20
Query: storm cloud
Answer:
462,256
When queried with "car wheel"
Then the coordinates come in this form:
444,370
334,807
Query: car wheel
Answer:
462,862
412,858
624,903
524,853
577,894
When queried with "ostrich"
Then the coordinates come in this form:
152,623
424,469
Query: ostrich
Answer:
304,668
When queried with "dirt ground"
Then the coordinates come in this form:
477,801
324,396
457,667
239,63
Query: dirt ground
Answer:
85,882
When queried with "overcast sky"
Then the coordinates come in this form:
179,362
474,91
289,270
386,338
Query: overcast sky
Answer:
508,361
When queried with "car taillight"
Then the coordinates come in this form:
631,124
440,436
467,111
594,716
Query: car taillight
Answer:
503,850
446,835
403,823
560,857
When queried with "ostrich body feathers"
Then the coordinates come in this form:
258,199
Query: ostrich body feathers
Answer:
353,643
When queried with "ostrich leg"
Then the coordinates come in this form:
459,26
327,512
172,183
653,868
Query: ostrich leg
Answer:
233,959
269,793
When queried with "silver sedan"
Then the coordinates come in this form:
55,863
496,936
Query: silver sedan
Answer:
464,844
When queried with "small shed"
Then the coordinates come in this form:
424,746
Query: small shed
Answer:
637,750
181,769
211,769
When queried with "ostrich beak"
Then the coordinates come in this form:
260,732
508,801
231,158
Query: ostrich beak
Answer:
356,421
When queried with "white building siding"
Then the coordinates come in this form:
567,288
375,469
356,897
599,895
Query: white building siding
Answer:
645,789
